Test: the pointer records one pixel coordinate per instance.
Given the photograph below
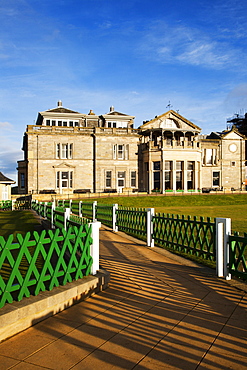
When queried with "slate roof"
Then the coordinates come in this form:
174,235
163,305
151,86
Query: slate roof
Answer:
4,179
61,110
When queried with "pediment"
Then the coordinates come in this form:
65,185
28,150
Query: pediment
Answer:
170,120
64,165
233,135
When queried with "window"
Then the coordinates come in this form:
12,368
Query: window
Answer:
133,179
156,175
156,166
64,179
179,175
53,123
121,151
59,123
108,179
168,175
210,156
48,122
64,151
22,180
233,164
216,178
121,179
190,175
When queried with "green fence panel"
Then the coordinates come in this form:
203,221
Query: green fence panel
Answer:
185,234
5,205
132,221
104,214
43,261
58,217
75,207
76,220
21,204
238,255
87,210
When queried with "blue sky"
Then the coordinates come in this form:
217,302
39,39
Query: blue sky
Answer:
136,55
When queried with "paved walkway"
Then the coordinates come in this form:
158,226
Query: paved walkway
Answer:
156,314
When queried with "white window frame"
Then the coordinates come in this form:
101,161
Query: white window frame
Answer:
122,154
60,180
108,178
133,178
64,150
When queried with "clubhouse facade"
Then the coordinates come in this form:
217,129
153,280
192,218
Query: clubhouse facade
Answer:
70,152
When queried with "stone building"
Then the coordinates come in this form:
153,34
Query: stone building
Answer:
67,151
5,187
174,156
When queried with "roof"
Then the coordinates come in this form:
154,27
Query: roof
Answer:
4,179
61,110
224,133
116,114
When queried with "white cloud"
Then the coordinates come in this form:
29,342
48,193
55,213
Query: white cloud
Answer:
170,44
5,125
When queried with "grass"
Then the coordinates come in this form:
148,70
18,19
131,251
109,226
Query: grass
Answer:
207,205
17,222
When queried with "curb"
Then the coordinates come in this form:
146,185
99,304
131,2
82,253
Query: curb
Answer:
18,316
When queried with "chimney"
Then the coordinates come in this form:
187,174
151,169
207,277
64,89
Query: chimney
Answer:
59,103
111,109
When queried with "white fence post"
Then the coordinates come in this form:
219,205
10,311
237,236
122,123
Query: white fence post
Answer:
94,248
70,204
80,207
66,217
223,230
45,205
114,217
94,210
53,207
150,240
13,204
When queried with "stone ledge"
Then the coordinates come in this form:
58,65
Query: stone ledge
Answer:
18,316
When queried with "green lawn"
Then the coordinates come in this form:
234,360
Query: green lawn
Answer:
13,222
232,206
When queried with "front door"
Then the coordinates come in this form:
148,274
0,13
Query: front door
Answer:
120,181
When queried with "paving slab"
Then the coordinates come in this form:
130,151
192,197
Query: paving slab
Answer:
159,312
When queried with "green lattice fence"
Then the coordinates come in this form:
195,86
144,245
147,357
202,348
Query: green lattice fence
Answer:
87,210
238,255
48,211
132,221
104,214
42,209
66,203
60,203
189,235
75,208
21,204
5,205
40,262
58,217
76,220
